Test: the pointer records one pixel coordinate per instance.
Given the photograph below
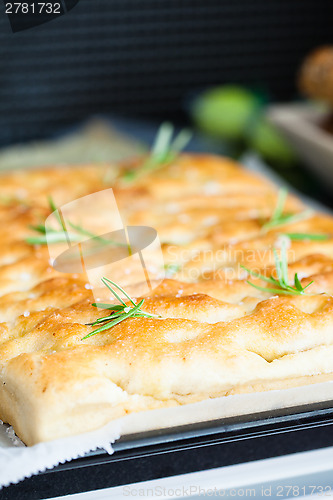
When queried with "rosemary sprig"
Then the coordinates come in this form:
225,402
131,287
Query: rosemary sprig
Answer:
308,236
164,150
279,218
62,235
281,283
120,312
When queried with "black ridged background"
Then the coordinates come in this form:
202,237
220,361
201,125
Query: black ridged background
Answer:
143,57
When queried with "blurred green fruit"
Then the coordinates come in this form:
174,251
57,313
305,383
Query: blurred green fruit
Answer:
225,111
269,143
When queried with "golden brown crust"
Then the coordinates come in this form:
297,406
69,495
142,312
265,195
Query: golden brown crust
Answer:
216,335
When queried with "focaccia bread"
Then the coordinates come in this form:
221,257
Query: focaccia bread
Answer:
215,334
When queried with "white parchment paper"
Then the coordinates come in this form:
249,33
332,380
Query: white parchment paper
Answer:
18,461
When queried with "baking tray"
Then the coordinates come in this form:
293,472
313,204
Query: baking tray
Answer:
169,452
300,124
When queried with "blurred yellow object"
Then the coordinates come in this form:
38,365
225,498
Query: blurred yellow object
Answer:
234,113
225,111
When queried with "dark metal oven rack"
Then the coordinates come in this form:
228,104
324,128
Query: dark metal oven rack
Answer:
181,450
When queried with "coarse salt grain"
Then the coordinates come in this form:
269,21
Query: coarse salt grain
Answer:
172,208
25,276
211,187
184,218
210,221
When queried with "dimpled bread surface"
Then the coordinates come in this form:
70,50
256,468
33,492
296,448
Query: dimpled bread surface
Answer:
214,334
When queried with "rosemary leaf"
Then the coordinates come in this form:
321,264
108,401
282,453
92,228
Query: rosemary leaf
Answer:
52,237
122,311
281,284
164,151
112,307
278,218
308,236
106,281
277,291
121,318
